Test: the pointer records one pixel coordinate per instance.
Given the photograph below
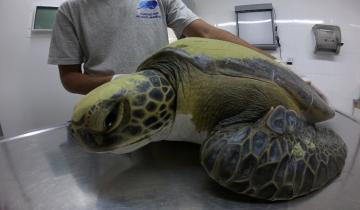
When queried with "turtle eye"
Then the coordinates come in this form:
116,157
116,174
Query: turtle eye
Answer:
111,118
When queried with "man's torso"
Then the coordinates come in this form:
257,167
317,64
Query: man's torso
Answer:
115,36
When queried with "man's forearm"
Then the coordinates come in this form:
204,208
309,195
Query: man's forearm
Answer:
76,82
200,28
216,33
84,84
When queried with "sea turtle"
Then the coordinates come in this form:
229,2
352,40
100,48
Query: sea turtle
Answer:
254,118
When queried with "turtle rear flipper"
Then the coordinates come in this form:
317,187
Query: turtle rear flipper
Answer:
280,157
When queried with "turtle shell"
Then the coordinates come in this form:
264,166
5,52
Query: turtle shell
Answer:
225,58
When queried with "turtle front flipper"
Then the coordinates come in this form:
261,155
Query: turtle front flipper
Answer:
280,157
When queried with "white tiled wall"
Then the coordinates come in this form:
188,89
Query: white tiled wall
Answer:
31,95
337,76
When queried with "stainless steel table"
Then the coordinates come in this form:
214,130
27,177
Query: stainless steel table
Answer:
44,170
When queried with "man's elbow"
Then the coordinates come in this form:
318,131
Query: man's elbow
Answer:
69,76
198,28
205,32
69,85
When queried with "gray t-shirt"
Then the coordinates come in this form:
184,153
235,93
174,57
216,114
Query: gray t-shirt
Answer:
114,36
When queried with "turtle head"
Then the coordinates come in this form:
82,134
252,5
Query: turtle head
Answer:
125,114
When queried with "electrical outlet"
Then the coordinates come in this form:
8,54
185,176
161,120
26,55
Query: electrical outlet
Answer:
290,61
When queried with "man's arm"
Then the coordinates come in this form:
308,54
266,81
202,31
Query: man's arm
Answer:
200,28
74,81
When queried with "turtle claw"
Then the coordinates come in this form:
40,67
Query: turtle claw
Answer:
282,120
276,120
292,121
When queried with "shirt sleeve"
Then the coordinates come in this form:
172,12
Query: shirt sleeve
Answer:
178,16
64,46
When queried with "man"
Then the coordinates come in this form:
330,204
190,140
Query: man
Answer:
112,37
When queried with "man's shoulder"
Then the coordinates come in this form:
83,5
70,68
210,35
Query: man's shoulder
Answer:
75,2
166,2
174,3
72,4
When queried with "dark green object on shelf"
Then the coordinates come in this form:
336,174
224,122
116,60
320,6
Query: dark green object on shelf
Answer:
44,18
357,103
1,133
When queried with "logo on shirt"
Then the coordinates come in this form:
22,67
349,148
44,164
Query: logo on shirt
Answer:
148,9
147,4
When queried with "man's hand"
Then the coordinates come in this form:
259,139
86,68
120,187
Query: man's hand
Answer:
200,28
75,82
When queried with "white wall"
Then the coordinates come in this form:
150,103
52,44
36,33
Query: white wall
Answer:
337,76
31,95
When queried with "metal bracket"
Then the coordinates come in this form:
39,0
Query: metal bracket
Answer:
1,133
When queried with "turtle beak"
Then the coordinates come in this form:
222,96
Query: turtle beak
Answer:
91,141
95,128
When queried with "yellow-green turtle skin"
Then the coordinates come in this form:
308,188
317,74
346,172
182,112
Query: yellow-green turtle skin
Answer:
254,117
233,69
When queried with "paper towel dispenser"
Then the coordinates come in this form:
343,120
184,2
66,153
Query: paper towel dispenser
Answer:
327,38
